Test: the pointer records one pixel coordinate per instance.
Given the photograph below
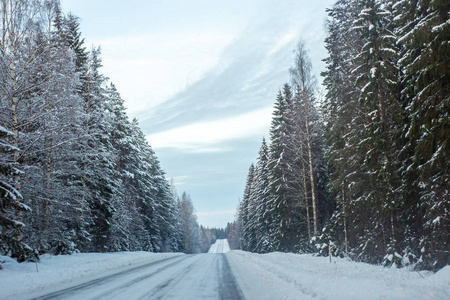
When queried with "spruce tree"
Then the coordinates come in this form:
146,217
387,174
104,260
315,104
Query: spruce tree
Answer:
376,72
11,203
244,210
263,201
344,119
423,32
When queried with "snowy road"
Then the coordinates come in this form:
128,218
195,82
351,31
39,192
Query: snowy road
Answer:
220,246
202,276
230,275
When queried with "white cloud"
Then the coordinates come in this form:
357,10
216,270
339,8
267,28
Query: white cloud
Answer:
161,64
206,136
283,41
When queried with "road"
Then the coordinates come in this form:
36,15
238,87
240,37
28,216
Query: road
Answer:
201,276
230,275
220,246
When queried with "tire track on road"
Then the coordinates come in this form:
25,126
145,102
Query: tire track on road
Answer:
106,279
228,287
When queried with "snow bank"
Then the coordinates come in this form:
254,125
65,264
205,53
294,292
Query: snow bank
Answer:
293,276
19,279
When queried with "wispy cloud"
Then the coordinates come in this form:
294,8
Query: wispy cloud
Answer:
162,64
245,78
248,72
210,136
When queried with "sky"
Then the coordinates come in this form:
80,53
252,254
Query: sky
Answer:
201,76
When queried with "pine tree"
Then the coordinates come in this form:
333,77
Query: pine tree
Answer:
100,179
262,197
126,213
191,233
91,181
344,118
71,33
11,203
244,209
141,186
377,77
423,35
284,177
51,129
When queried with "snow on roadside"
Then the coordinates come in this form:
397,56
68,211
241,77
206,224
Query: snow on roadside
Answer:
293,276
18,279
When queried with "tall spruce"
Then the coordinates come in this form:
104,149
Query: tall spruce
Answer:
376,72
344,119
423,36
263,201
244,209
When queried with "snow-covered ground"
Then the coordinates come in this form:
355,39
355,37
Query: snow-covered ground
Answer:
63,270
293,276
220,246
234,275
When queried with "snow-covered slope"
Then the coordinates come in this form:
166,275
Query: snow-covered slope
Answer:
220,246
293,276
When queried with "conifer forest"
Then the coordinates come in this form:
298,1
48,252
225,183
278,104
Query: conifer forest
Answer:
365,167
76,174
358,166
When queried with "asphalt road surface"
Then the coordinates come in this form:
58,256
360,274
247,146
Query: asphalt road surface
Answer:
201,276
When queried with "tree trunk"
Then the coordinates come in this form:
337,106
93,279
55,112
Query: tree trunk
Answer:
310,163
345,220
14,108
305,190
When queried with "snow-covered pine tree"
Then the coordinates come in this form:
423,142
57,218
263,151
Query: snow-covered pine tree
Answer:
125,210
157,201
191,230
423,32
70,30
166,213
100,180
285,205
41,78
275,151
234,233
244,209
262,197
51,125
376,73
344,119
11,202
141,186
252,218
